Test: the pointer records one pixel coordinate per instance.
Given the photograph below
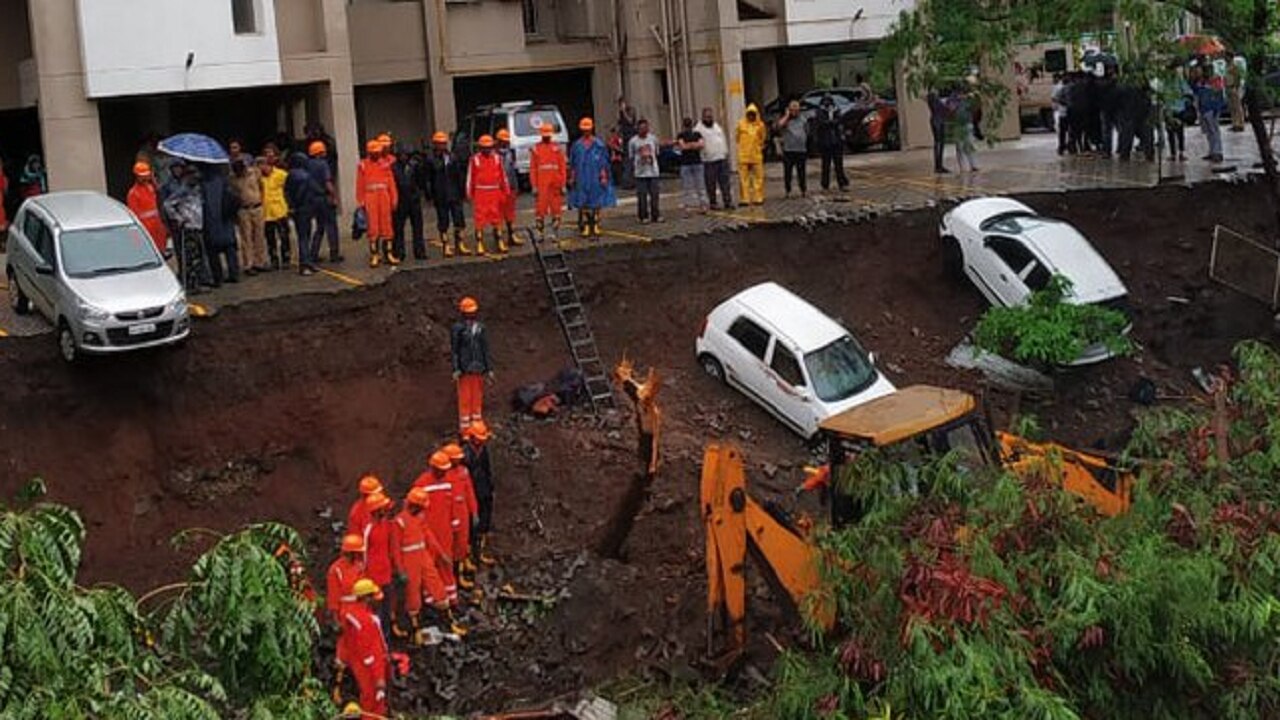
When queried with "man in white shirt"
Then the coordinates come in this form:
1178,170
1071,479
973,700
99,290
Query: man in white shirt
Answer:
715,159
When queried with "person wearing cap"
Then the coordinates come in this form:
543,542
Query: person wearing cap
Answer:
487,189
416,556
411,183
376,193
548,172
321,169
508,156
275,210
589,179
437,482
447,187
143,201
367,647
469,352
464,515
358,516
476,457
246,183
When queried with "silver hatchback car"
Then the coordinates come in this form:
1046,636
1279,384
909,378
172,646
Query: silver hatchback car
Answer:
86,263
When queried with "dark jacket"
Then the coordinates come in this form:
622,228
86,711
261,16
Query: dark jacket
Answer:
477,462
411,179
446,182
220,208
302,192
322,173
470,349
827,130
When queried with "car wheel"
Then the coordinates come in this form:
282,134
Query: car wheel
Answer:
67,343
892,137
18,301
712,368
952,258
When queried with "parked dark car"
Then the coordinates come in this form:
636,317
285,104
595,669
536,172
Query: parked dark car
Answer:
867,121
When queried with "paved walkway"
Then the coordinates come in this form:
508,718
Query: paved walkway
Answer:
880,182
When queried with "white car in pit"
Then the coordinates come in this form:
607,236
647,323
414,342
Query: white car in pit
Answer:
1008,251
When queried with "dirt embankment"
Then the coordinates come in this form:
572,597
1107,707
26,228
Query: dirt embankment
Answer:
273,410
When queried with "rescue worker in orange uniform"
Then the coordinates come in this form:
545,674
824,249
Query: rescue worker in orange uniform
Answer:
469,350
487,189
376,193
340,584
464,514
358,516
481,471
367,648
508,156
143,201
548,173
377,548
439,513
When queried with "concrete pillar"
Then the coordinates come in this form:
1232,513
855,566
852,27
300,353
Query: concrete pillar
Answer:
442,110
337,107
69,124
913,116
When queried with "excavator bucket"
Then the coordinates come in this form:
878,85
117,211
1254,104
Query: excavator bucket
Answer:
724,498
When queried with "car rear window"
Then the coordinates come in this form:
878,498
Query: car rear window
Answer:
530,122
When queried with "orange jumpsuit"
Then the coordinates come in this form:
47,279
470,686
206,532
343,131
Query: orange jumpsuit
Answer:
368,652
339,595
416,555
143,202
548,172
376,193
465,508
439,516
487,187
358,518
377,552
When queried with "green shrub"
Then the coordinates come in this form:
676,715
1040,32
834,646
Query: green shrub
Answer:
1047,331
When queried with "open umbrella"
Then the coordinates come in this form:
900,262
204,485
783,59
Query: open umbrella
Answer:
1201,45
194,147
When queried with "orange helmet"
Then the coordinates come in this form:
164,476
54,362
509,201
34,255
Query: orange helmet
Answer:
586,124
316,148
440,138
370,484
546,130
377,501
454,451
440,460
478,430
385,140
468,306
352,543
373,146
486,141
418,496
142,169
504,136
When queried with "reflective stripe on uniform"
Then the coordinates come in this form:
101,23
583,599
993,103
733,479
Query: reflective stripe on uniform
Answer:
457,523
437,487
376,186
347,598
415,546
488,187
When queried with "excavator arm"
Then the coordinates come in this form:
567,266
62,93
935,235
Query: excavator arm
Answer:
733,523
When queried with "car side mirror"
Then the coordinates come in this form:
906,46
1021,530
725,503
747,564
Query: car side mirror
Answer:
44,269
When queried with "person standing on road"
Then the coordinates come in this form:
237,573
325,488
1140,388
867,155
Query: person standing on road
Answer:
275,210
962,121
184,212
591,187
367,648
939,119
326,221
1210,102
1180,111
508,156
447,187
472,365
246,183
143,202
476,449
305,196
830,141
693,181
221,207
487,189
1237,71
643,151
795,147
628,126
548,173
411,183
715,160
751,136
376,193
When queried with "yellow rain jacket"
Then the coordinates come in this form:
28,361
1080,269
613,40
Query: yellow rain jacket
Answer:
751,137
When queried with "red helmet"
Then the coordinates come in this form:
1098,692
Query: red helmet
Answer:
468,305
418,496
477,430
370,484
486,141
440,460
377,501
454,451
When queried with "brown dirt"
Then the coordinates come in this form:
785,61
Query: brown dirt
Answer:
273,410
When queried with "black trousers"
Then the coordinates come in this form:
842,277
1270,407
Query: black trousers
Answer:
408,211
833,158
1177,136
794,162
939,130
716,174
326,225
450,212
647,196
278,241
484,514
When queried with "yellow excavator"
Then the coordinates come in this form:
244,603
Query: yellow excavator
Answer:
911,424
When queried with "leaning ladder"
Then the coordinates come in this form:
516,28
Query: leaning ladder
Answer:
568,307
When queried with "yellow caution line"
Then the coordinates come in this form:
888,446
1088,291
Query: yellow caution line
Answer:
739,216
626,235
344,278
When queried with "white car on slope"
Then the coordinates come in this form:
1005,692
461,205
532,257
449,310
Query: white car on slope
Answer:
783,353
1009,251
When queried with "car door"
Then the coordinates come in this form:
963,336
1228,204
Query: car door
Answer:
39,263
790,390
1001,266
749,345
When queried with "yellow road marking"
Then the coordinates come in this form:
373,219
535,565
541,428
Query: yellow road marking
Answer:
626,235
344,278
739,216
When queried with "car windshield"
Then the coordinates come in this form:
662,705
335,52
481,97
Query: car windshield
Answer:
107,251
530,122
1015,222
839,370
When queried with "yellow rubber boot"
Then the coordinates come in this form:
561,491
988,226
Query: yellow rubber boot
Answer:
480,249
500,241
460,243
445,246
374,257
513,237
392,260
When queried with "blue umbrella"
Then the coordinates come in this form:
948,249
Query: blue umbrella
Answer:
194,147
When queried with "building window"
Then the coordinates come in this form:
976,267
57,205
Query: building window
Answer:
529,10
244,16
666,89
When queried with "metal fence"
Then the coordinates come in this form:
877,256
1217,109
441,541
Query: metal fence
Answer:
1245,265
